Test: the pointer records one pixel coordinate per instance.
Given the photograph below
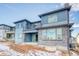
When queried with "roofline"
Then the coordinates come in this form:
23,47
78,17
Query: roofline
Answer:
36,21
27,21
5,25
22,21
55,11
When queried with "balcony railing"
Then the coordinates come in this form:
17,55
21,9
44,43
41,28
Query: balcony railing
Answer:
11,31
51,24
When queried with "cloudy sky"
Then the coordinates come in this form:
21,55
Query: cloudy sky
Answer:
10,13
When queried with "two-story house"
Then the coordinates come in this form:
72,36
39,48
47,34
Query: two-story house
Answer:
25,31
5,32
55,28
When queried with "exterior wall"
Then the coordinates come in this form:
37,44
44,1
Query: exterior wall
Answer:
56,43
2,34
3,30
20,27
61,18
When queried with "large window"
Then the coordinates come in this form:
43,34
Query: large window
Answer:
59,33
52,34
44,34
52,18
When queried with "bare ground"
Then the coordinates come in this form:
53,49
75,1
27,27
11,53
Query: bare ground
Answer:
31,50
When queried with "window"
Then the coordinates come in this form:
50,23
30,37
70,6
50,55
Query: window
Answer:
52,18
51,34
44,33
59,33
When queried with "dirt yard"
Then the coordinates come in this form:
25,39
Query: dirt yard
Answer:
12,49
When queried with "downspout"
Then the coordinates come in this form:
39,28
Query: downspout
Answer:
68,34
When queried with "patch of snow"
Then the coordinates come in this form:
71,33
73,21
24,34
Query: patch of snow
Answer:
58,53
43,53
9,51
3,47
74,54
15,53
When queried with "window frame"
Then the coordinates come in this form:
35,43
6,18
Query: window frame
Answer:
53,32
61,33
56,34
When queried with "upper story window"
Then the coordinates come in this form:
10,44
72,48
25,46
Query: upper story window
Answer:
52,18
59,17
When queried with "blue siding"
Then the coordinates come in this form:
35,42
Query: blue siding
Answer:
18,35
24,25
44,20
28,26
20,27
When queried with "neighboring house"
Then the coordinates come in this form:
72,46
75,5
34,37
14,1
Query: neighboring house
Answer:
25,31
52,30
4,29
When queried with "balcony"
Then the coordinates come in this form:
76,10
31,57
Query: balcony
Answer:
30,31
11,31
54,25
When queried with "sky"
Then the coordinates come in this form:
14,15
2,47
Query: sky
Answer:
10,13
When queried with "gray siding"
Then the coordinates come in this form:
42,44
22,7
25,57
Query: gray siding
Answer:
62,43
61,17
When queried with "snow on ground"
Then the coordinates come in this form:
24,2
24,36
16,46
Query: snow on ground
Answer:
3,47
7,51
43,53
73,54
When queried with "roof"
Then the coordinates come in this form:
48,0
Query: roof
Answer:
22,21
27,21
53,26
36,21
5,25
55,11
